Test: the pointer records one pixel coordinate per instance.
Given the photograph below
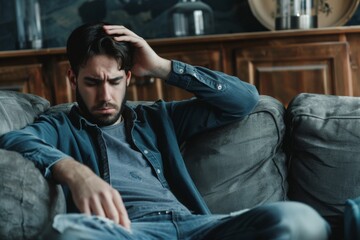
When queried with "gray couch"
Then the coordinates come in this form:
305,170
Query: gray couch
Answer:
308,152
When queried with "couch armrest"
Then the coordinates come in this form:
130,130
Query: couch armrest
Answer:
28,202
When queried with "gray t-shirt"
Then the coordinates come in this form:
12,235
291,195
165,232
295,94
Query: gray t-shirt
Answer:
133,177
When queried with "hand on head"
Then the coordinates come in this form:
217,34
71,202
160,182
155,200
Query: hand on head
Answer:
146,61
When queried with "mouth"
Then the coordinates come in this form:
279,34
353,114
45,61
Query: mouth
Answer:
105,110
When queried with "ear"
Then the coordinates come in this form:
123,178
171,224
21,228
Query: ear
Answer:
72,78
128,78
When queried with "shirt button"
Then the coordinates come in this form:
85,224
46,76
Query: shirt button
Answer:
146,151
158,171
181,70
219,87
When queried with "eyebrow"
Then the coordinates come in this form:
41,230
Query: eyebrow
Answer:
100,80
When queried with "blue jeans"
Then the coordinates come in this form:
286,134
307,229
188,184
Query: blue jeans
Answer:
285,220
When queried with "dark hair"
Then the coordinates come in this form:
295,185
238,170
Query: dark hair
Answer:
90,40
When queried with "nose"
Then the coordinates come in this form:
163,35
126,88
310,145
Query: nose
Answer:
105,92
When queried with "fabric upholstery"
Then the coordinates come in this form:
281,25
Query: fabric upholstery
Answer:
243,164
28,202
18,109
324,150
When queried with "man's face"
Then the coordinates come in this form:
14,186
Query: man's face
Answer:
100,89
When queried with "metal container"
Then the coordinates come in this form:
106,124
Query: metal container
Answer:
296,14
190,17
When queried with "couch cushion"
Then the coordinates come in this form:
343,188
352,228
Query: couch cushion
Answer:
19,109
324,134
241,165
28,202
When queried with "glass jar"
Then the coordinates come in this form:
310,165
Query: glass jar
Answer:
28,21
191,17
296,14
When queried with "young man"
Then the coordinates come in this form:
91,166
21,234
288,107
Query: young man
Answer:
121,166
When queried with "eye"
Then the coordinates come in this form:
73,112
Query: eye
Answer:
91,83
114,82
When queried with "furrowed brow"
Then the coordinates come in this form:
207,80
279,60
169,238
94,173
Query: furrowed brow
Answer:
93,79
115,79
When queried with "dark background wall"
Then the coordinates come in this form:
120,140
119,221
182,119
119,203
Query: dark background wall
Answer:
148,18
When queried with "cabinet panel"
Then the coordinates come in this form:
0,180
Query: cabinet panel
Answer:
285,71
24,78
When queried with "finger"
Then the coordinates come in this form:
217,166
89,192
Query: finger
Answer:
110,209
123,215
130,39
85,208
96,207
119,30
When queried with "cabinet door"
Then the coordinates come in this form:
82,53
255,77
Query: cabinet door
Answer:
151,89
24,78
285,71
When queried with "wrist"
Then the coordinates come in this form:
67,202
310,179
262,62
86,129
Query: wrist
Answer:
164,69
69,171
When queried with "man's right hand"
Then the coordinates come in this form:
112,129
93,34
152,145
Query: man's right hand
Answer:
146,61
91,194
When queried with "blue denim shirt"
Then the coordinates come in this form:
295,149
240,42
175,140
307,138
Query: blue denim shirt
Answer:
156,130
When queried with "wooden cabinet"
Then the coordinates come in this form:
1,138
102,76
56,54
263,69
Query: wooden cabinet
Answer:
285,71
281,64
24,78
33,71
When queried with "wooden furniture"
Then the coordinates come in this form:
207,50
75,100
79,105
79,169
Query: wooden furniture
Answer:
280,63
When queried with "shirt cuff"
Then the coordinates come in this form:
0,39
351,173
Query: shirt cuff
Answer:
181,74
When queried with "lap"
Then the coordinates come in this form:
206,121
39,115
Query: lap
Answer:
268,221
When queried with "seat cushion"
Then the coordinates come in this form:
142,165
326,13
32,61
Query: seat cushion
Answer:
241,165
19,109
324,147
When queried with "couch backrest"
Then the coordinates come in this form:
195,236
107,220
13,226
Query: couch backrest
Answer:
243,164
324,147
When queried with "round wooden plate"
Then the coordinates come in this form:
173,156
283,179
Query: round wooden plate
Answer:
331,12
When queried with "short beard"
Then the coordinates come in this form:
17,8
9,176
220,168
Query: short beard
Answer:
94,119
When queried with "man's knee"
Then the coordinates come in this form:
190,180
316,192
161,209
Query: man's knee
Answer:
300,221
